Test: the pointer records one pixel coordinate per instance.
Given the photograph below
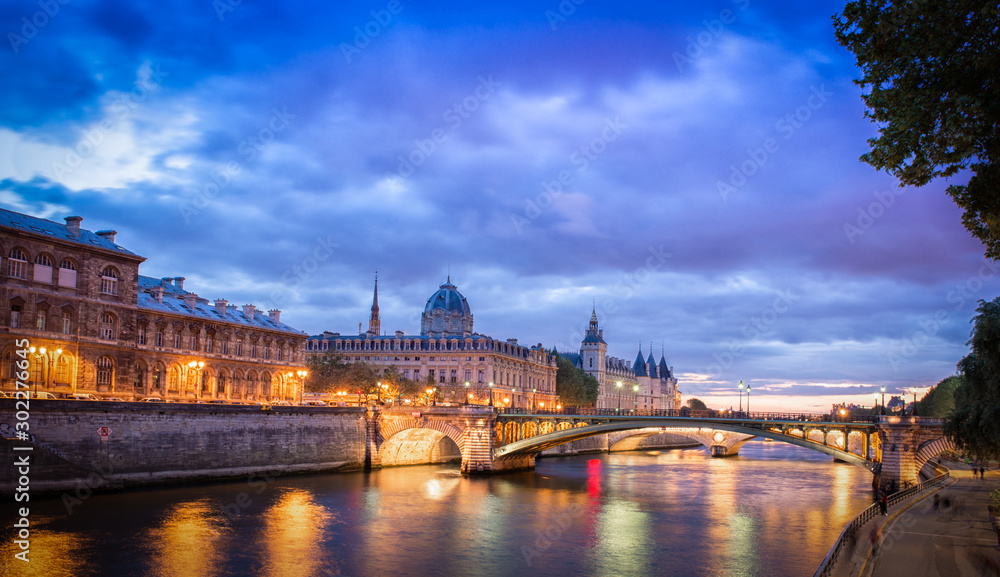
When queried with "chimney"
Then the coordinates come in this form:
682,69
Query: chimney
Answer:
73,224
190,299
166,281
274,315
179,282
248,310
220,305
108,235
400,334
158,293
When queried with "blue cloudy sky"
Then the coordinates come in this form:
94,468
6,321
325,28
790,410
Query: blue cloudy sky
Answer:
691,168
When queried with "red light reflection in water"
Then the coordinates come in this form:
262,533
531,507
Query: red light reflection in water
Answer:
591,518
594,478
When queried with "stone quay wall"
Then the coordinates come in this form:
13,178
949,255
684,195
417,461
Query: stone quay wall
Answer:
168,442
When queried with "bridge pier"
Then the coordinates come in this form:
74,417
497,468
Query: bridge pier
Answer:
902,438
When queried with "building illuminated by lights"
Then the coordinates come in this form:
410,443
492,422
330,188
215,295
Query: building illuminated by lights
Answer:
464,366
644,384
95,325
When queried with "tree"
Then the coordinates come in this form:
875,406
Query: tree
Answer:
975,425
939,401
574,387
697,404
931,81
326,371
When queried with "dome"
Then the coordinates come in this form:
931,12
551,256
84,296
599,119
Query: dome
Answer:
448,299
446,313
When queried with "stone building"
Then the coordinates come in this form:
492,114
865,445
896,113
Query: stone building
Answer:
96,325
644,384
463,364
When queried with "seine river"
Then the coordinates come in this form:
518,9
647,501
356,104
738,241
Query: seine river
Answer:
773,511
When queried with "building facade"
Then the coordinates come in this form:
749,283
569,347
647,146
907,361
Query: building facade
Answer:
464,366
644,384
95,325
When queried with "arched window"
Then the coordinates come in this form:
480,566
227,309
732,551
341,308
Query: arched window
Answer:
107,327
109,281
105,371
220,385
157,378
237,392
9,366
140,377
43,268
67,273
174,378
63,367
17,264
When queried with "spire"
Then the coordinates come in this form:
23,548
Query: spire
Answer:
640,364
374,324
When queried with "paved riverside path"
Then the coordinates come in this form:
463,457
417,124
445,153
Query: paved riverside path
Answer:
956,541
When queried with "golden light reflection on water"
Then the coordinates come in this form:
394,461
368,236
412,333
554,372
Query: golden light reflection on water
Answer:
187,542
291,535
50,554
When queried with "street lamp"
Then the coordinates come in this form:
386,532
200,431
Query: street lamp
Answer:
467,393
491,393
913,413
428,401
619,385
40,354
532,399
197,366
740,386
883,400
635,389
748,400
302,382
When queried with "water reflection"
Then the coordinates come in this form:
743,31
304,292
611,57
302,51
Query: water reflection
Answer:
50,553
772,511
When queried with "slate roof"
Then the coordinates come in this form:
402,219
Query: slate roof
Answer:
24,222
173,303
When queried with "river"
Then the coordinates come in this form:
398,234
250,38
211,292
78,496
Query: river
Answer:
772,511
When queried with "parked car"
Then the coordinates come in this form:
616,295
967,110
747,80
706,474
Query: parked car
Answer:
82,397
41,395
114,399
281,404
151,400
218,402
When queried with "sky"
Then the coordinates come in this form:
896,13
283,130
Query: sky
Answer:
688,170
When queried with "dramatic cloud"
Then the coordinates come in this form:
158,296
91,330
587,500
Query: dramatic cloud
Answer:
691,171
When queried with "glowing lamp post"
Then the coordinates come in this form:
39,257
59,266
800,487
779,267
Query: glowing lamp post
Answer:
635,390
619,385
740,386
491,393
38,353
197,366
883,400
748,400
467,393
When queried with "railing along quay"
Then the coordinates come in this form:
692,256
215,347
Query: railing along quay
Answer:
850,531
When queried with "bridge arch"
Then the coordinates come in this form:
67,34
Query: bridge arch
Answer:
410,442
931,449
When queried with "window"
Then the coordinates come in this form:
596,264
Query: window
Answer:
15,317
109,281
40,321
17,264
225,347
431,373
454,376
239,348
194,342
468,376
416,374
278,354
253,350
43,269
105,370
406,374
140,374
156,378
442,377
267,352
220,389
67,324
482,376
107,328
62,369
159,337
67,273
177,340
209,344
142,335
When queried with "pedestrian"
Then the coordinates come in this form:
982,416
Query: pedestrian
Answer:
875,537
982,472
885,504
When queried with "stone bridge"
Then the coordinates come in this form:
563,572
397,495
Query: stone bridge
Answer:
488,441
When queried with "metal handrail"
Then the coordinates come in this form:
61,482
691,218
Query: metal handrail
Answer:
830,561
692,413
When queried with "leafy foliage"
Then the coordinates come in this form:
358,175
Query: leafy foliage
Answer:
939,401
975,424
575,387
931,81
329,373
697,404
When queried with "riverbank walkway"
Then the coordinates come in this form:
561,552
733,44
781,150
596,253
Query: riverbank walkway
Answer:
954,540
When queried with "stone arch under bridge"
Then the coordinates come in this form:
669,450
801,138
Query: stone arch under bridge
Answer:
719,443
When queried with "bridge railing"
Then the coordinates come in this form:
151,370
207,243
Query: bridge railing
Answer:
850,531
692,413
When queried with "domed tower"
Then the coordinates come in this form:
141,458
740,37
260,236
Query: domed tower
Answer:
447,313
